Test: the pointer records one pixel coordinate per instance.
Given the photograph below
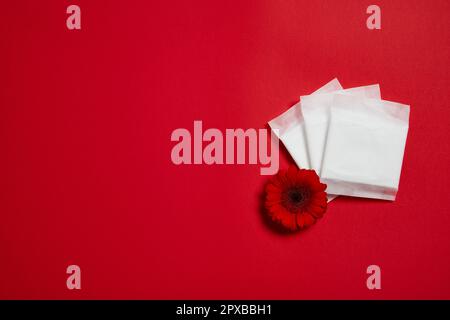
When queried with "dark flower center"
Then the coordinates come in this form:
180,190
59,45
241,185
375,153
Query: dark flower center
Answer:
295,198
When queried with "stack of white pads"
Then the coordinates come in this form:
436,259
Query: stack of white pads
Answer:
352,138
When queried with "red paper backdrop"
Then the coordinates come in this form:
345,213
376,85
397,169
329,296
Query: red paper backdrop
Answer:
85,171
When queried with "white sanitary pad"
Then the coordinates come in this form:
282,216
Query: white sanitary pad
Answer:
354,140
365,145
316,115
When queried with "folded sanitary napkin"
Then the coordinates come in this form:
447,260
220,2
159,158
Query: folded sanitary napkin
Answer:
353,140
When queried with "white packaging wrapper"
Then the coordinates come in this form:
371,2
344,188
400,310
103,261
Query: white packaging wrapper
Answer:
365,146
291,129
316,115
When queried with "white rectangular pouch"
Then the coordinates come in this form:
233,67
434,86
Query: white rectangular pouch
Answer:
316,115
365,146
289,128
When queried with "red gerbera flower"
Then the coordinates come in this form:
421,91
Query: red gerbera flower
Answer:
295,198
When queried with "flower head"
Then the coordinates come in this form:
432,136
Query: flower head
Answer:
295,198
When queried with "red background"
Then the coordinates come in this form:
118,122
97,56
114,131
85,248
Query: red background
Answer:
85,171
